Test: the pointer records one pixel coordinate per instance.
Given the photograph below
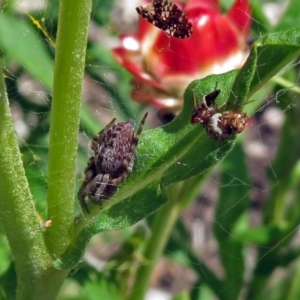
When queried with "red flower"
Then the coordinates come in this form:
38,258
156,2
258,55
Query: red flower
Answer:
163,66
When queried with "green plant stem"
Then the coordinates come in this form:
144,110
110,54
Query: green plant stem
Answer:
67,91
17,211
162,226
181,194
287,84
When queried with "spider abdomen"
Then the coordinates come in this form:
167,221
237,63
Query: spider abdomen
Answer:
115,147
216,130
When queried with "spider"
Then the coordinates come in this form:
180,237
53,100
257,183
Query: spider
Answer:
235,120
218,126
203,110
221,126
215,129
113,160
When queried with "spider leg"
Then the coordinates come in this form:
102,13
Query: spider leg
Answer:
196,102
84,190
101,181
97,137
221,106
127,166
111,185
81,196
138,133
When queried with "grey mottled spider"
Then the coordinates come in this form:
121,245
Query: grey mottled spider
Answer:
113,160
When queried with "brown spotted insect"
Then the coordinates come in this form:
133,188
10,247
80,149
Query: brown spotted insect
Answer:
113,160
167,16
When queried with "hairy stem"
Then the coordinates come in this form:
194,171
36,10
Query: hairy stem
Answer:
67,91
17,210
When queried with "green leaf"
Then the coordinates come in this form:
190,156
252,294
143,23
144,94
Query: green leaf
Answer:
27,48
101,289
164,156
261,235
274,52
180,150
